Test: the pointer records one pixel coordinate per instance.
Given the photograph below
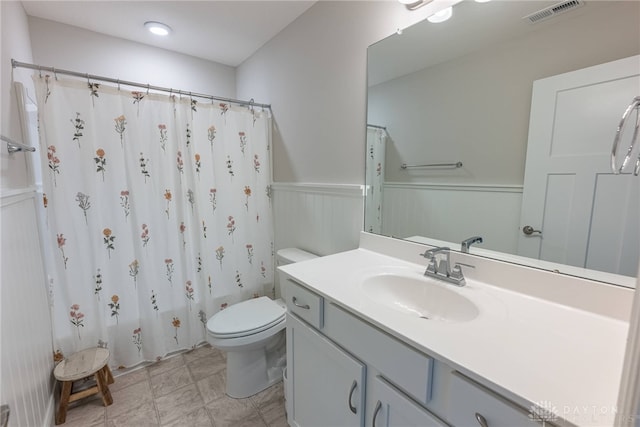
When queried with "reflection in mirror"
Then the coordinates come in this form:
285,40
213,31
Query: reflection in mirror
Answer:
530,109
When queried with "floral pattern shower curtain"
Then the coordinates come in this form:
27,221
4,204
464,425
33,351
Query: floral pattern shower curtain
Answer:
376,146
157,211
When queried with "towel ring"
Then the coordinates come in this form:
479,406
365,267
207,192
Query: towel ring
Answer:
635,105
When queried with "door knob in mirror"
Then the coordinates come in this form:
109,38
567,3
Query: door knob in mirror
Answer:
528,230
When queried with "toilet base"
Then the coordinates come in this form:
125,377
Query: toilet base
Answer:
251,371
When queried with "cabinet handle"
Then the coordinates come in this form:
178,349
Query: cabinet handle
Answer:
375,413
481,420
295,302
353,388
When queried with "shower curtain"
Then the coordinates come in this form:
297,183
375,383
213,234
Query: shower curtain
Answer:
157,212
375,161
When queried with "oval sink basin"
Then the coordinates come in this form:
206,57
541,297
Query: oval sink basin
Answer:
419,296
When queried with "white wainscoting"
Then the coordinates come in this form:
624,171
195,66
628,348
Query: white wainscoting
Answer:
26,355
454,212
319,218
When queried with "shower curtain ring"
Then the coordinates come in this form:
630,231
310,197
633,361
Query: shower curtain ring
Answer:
55,75
40,71
147,89
88,81
118,84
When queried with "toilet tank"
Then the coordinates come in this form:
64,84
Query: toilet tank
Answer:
289,256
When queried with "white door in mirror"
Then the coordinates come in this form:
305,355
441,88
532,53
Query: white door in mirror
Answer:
568,187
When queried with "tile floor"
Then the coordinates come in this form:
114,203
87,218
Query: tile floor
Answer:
184,390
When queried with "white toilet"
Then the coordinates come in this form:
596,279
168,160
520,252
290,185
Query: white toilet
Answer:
252,334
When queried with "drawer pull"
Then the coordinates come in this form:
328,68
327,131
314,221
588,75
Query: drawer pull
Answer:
481,420
295,302
375,413
353,388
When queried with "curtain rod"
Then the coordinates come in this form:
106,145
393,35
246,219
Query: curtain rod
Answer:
55,71
376,126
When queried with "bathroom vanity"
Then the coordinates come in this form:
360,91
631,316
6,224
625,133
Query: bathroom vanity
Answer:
371,341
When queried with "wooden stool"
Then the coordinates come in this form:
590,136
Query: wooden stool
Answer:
83,364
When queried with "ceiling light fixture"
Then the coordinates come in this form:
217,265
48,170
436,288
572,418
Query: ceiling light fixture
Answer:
441,16
157,28
414,4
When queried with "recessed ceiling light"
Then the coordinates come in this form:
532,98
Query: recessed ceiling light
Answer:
441,16
157,28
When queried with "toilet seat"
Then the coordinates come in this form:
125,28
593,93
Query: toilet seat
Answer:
246,318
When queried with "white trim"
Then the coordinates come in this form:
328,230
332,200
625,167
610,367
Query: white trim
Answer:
9,197
346,190
495,188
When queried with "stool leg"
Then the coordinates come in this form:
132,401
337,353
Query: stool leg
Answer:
107,374
101,382
61,416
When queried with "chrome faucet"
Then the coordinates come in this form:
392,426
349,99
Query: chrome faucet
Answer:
466,244
442,270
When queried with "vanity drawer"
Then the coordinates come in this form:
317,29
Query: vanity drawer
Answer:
471,404
304,303
401,365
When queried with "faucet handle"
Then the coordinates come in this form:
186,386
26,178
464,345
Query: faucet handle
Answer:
456,275
456,272
462,264
432,267
431,253
428,254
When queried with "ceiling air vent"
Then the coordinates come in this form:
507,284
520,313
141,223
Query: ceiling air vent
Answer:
551,11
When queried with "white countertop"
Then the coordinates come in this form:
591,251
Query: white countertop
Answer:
529,349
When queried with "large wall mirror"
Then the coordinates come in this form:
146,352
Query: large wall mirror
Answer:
499,123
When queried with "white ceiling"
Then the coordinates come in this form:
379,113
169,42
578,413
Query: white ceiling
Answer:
227,32
473,26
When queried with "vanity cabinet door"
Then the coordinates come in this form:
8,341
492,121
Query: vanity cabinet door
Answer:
327,384
392,408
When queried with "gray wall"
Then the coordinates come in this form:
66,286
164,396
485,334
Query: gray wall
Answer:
314,74
72,48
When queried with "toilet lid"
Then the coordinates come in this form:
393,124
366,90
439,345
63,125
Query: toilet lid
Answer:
245,318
